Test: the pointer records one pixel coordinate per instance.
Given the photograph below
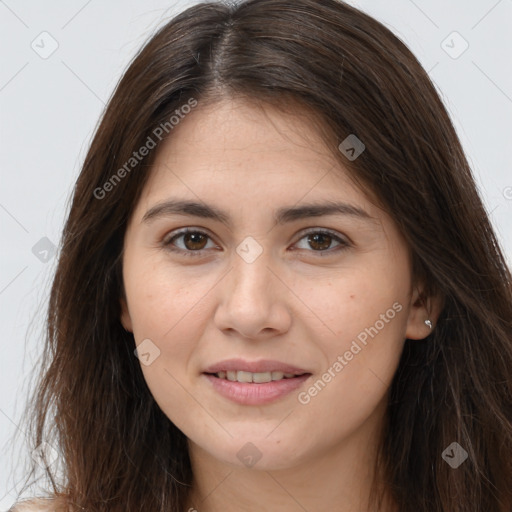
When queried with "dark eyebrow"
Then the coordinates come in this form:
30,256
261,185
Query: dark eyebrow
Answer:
181,207
305,211
282,215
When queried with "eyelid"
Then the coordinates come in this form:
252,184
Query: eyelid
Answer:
335,234
180,231
343,242
169,237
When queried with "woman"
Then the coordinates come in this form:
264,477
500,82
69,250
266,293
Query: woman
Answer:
278,287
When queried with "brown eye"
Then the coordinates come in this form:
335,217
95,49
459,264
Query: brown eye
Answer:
319,241
188,242
194,241
322,242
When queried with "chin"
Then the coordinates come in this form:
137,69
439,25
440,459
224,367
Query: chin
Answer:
258,452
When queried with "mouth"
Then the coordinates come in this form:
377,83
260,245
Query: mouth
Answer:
255,377
255,383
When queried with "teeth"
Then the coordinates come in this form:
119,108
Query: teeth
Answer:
244,377
259,378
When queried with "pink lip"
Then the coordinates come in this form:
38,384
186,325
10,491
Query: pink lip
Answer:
263,365
250,393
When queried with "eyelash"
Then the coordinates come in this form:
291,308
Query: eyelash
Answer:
167,242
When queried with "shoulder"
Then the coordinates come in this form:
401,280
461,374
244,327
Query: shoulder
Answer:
39,505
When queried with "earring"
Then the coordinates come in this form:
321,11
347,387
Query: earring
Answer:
429,323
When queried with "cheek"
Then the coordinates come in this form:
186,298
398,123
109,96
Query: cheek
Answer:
167,308
343,303
164,303
366,316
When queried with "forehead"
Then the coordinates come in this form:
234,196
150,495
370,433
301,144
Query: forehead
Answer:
236,145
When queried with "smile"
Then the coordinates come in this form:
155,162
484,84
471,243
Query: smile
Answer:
257,378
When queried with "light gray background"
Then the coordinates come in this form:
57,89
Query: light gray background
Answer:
49,108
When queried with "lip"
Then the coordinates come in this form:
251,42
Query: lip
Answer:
246,393
263,365
250,393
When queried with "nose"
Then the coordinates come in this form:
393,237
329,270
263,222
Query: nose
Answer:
253,300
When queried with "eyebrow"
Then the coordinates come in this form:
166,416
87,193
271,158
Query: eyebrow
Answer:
282,215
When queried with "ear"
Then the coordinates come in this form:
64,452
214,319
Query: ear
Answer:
126,319
421,308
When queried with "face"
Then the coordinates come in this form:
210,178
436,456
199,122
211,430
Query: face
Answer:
252,257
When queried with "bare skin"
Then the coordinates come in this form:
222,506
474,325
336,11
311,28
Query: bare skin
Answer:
302,301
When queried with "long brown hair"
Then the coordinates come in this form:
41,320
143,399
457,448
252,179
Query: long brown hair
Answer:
119,452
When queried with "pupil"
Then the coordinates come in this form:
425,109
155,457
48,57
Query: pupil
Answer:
317,238
193,241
